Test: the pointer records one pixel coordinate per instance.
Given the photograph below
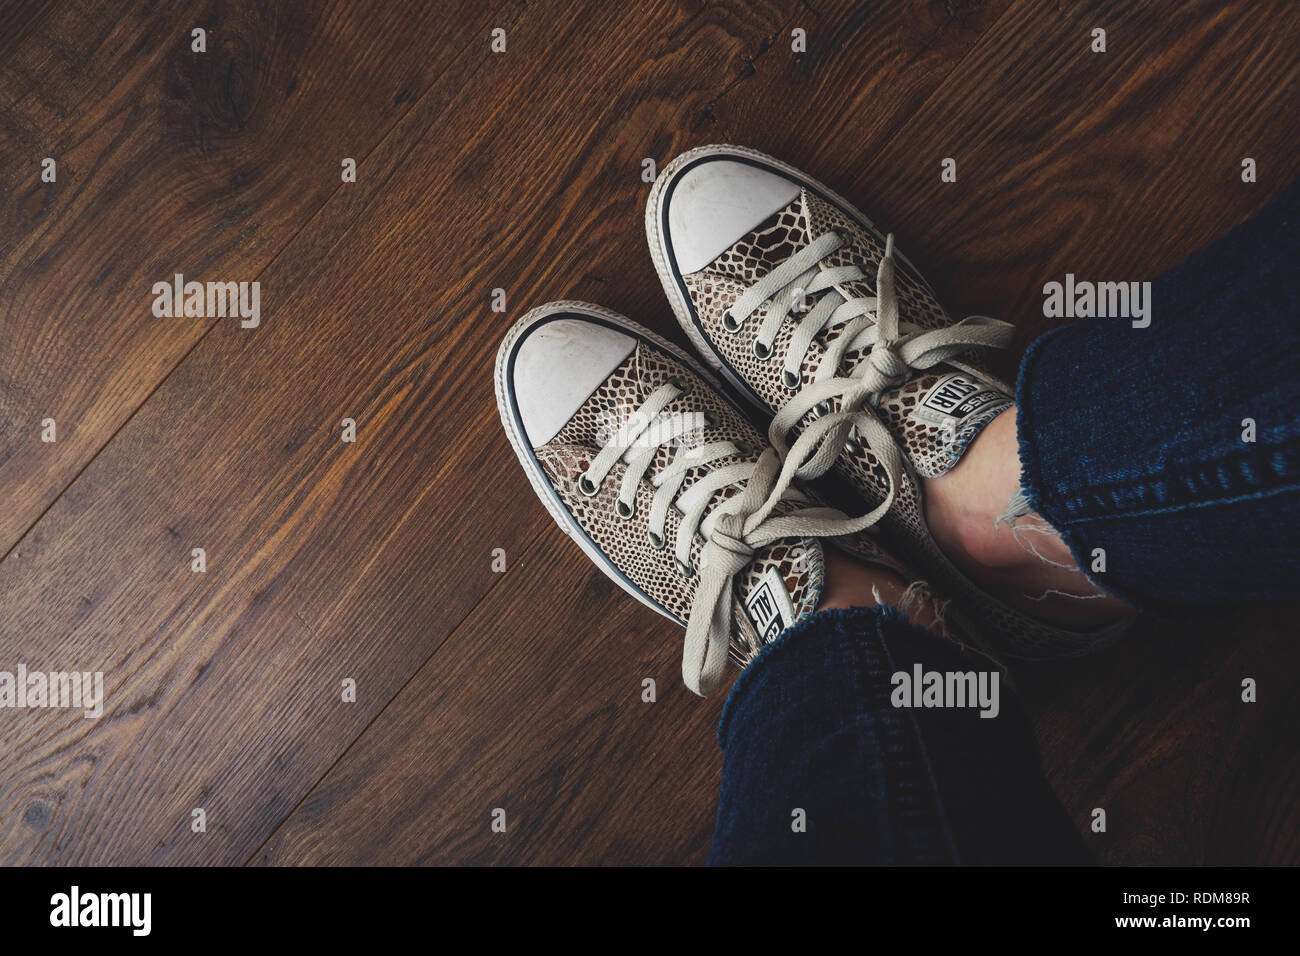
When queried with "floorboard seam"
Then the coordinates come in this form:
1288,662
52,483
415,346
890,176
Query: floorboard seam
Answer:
532,543
197,342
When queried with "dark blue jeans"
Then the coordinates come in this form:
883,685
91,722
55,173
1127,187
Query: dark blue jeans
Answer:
1132,440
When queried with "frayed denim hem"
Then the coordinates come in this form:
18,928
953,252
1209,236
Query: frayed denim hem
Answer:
1030,495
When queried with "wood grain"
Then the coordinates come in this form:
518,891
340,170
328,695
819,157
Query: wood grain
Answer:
372,560
325,560
20,18
169,161
1116,165
539,713
242,456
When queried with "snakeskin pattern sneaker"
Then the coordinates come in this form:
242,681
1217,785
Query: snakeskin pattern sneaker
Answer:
808,311
665,483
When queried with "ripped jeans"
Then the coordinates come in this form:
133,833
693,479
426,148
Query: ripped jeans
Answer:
1173,449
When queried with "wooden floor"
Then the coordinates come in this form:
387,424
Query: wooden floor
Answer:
372,561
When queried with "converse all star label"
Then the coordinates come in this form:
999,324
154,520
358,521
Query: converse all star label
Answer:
768,606
955,398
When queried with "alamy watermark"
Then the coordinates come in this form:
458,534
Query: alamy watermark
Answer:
209,300
676,429
130,910
1073,299
59,689
957,689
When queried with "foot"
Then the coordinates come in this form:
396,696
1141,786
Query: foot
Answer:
665,484
835,338
1009,550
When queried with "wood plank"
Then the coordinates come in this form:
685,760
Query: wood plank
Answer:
1115,165
168,161
866,70
535,708
326,561
20,17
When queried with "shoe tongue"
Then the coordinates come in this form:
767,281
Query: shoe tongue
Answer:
780,587
936,415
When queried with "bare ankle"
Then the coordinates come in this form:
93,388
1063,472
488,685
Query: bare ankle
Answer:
979,517
851,583
965,506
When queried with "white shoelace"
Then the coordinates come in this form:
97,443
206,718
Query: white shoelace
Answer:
744,523
898,349
734,530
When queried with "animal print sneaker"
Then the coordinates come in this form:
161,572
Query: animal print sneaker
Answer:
665,483
834,336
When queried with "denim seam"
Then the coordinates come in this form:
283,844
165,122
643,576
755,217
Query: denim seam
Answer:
1119,498
1189,506
926,763
1273,440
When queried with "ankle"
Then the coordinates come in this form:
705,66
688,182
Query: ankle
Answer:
971,533
850,583
967,507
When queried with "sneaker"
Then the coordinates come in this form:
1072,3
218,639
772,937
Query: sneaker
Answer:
665,483
827,331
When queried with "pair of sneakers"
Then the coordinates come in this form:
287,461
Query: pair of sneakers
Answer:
831,340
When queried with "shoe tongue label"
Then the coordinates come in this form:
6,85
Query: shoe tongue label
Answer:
955,398
769,607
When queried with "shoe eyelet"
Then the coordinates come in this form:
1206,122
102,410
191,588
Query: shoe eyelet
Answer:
710,420
790,380
742,450
685,569
624,510
656,540
587,486
761,350
853,446
730,322
823,409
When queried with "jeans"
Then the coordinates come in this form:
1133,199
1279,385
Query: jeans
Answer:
1134,441
1131,440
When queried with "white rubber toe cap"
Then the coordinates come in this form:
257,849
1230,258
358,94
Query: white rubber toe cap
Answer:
557,367
718,201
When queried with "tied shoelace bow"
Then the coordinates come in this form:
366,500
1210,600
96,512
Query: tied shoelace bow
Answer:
737,528
897,348
733,530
